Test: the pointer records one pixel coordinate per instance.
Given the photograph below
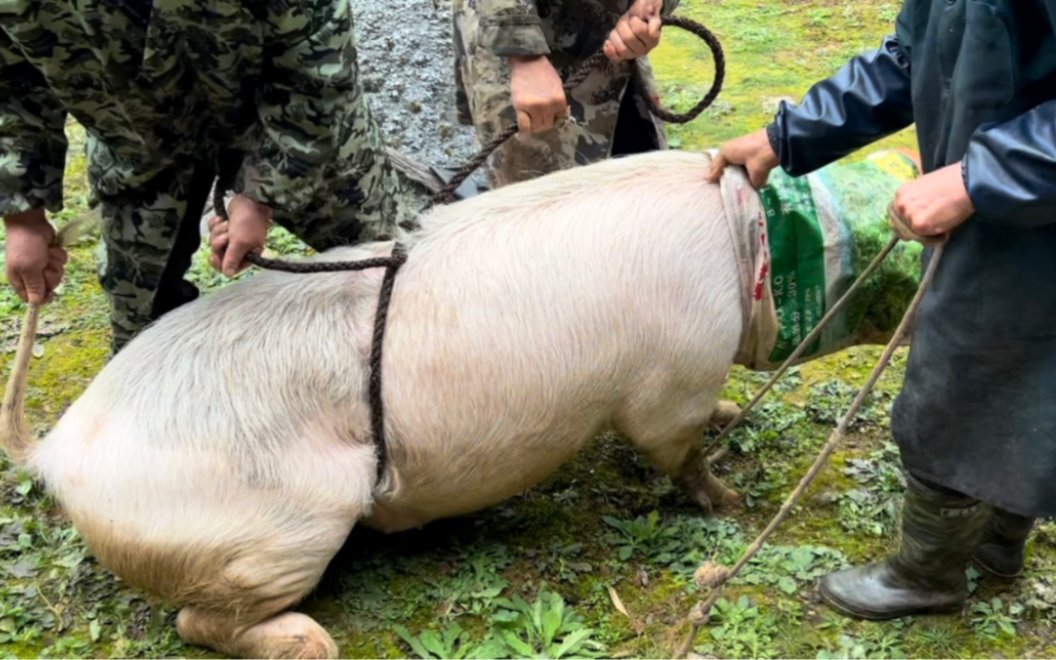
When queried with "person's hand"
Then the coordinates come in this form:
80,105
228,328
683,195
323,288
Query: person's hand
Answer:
537,93
935,204
245,232
753,151
646,9
34,268
636,33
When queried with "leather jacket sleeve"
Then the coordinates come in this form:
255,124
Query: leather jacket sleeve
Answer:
867,100
1010,168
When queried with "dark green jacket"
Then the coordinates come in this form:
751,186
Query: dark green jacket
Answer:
977,412
272,81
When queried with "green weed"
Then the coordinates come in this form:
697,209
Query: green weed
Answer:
992,619
875,645
787,568
452,642
546,628
740,630
875,507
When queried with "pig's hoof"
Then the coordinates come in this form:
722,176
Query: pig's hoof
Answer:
724,413
288,635
717,494
702,501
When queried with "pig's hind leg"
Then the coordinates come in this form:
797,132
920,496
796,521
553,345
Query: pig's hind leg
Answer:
287,635
244,612
261,586
671,433
237,554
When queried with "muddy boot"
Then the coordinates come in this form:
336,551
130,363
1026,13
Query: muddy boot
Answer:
927,574
1002,552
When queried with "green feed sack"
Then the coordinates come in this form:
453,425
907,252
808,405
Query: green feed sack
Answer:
824,230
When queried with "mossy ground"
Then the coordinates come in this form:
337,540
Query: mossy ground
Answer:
587,532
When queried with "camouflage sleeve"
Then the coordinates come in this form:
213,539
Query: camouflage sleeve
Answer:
310,104
511,27
32,137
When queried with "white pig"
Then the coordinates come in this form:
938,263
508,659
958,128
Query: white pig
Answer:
222,458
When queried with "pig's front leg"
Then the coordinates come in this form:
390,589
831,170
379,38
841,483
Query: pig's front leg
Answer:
707,490
671,433
725,412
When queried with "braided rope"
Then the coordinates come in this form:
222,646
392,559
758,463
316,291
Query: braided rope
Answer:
398,256
598,61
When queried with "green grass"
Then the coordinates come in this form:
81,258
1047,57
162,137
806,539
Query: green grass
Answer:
542,573
774,50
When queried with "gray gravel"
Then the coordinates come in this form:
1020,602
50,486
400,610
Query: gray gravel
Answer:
406,61
407,67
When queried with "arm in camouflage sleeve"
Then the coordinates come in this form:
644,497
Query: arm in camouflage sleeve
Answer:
511,27
32,137
309,95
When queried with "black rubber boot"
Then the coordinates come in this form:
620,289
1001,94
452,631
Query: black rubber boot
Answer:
1002,552
927,574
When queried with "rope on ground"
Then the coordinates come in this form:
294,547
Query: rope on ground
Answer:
797,353
716,577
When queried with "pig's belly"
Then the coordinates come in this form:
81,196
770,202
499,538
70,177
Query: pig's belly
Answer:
455,481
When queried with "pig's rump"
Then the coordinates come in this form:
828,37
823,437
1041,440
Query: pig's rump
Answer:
523,321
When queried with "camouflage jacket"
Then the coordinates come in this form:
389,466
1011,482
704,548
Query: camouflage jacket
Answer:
515,27
272,81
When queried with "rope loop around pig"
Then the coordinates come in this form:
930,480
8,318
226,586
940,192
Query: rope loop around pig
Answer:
392,263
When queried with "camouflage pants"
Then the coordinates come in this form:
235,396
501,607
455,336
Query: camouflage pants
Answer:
151,232
607,116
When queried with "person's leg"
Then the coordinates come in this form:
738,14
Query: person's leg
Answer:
484,101
364,200
940,529
150,235
637,130
487,83
1002,552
